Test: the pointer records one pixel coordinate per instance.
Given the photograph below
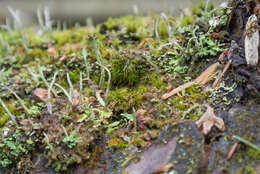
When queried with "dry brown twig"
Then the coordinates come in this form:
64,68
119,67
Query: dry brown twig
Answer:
204,78
232,150
144,41
219,79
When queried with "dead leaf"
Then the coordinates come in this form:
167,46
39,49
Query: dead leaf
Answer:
140,112
91,99
41,94
232,150
208,120
52,50
163,169
141,120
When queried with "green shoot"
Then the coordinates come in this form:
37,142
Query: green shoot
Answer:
85,55
7,111
20,100
49,106
246,142
108,81
65,92
49,145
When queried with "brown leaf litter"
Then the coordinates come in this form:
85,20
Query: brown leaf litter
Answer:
208,120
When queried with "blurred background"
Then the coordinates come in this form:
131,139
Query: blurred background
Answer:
73,11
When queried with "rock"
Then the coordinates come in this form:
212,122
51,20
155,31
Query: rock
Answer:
180,145
244,122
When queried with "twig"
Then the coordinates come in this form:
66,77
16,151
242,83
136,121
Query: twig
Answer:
8,112
218,80
232,150
176,90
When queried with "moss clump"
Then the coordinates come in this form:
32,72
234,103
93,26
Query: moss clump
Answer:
194,93
126,71
187,20
157,82
116,143
179,103
254,154
3,119
124,99
111,24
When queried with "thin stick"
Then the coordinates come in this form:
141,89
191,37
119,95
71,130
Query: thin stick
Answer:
232,150
218,80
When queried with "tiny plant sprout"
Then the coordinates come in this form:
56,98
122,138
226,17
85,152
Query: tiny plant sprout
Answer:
7,111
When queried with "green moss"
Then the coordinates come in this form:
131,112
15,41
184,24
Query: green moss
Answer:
3,119
88,91
247,169
116,143
157,82
124,99
254,154
179,103
111,24
127,160
126,72
163,30
187,20
143,89
194,93
74,76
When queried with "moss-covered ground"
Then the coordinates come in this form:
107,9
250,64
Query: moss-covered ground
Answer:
102,86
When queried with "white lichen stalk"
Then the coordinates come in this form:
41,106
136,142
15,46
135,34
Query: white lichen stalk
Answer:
251,41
